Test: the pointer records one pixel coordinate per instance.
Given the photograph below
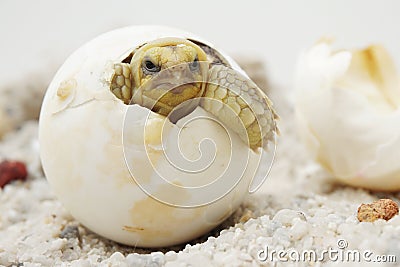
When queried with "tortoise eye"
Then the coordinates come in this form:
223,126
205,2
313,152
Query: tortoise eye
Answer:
150,67
194,66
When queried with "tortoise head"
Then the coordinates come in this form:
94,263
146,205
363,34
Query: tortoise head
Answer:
168,72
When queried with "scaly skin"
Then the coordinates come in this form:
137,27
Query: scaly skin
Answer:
232,98
240,104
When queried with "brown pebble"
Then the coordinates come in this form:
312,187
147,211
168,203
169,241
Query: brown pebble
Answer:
380,209
12,170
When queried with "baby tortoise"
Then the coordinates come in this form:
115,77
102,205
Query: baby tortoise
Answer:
163,74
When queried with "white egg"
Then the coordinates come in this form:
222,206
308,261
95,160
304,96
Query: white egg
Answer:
127,173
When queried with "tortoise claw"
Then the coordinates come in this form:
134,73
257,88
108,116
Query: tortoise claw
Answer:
121,83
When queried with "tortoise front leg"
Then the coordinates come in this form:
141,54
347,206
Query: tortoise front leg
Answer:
238,103
121,82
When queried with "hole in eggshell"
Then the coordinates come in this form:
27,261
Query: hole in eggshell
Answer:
213,56
128,58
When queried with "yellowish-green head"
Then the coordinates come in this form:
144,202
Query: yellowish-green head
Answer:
168,72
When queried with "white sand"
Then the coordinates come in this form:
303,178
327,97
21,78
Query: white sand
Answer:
298,208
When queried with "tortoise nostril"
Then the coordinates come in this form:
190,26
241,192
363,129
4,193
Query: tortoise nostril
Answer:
179,67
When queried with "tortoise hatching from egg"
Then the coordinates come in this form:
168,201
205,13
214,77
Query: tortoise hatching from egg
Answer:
163,74
121,135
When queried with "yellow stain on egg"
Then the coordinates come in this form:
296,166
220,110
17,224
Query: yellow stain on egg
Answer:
66,87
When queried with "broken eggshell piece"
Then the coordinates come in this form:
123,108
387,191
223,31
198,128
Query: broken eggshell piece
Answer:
127,173
347,105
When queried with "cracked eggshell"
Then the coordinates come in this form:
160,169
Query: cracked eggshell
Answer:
82,150
348,112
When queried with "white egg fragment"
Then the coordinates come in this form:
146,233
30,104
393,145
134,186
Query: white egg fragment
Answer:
127,173
347,105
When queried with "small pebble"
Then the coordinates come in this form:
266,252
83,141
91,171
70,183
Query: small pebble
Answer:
247,215
299,229
70,231
117,256
12,170
171,256
381,209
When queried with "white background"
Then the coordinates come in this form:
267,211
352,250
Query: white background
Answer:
36,35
